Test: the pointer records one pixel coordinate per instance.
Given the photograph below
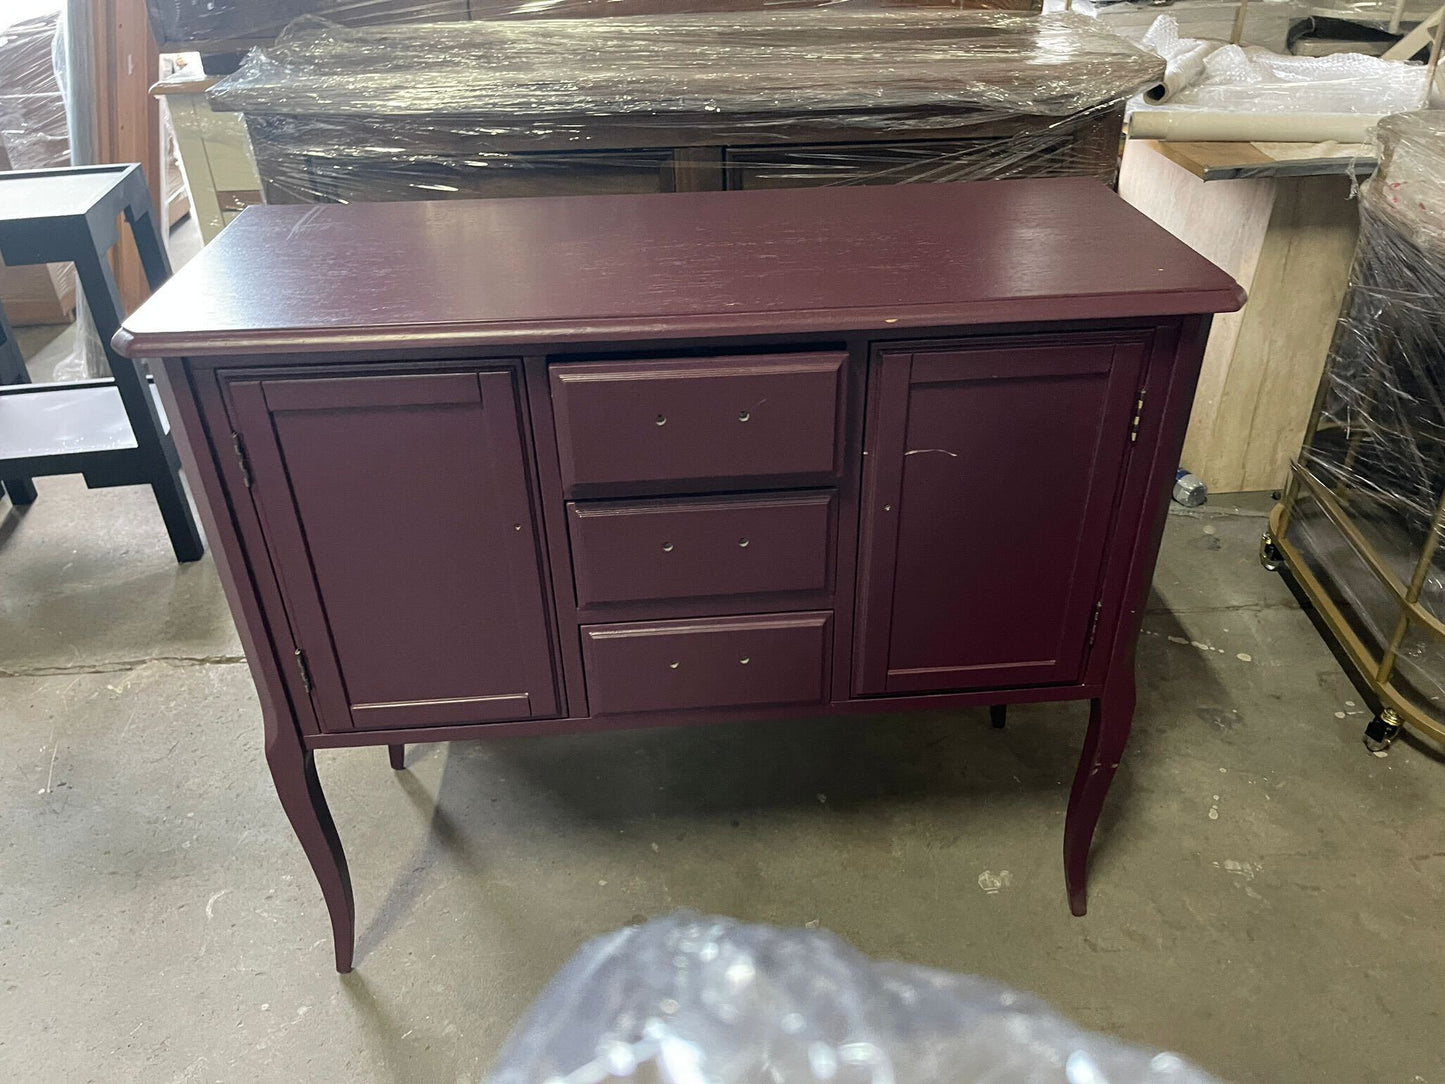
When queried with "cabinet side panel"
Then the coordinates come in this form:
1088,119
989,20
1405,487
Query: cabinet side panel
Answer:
197,415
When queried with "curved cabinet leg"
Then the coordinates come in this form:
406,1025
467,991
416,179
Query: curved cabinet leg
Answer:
398,756
1109,722
294,771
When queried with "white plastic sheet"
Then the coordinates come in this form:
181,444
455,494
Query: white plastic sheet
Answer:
694,1000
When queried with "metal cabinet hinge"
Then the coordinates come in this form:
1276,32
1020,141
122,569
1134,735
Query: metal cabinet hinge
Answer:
1094,622
1138,415
305,670
241,458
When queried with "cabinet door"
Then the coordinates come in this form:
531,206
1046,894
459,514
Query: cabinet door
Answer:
400,517
992,470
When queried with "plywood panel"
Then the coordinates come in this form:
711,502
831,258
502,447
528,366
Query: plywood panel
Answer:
1288,242
1299,282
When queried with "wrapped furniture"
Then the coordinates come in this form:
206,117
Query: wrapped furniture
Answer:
214,150
214,27
1360,524
33,136
682,103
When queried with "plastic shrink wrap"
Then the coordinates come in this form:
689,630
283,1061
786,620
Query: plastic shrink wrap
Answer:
687,999
32,136
216,25
1363,515
685,102
1266,22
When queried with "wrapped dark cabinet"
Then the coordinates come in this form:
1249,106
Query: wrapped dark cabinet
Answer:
502,467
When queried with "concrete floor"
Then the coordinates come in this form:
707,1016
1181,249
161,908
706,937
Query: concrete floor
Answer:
1266,897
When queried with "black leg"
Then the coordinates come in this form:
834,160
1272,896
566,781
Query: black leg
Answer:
148,241
180,524
398,756
158,455
13,371
21,490
998,715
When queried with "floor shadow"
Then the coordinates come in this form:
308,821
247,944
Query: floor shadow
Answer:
381,1028
1424,746
442,837
11,516
730,769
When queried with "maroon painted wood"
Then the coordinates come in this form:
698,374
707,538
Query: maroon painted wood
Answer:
991,482
445,485
424,607
630,551
600,270
707,663
683,425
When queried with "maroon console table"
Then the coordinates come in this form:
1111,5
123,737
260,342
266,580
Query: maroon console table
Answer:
525,466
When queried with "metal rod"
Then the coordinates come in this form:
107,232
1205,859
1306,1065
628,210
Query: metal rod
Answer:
1239,15
1433,64
1362,548
1397,15
1412,593
1346,636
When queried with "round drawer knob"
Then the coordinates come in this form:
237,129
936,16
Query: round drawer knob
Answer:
672,666
744,543
745,660
744,415
662,419
667,547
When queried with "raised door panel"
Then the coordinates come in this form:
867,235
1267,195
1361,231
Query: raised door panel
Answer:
400,514
992,475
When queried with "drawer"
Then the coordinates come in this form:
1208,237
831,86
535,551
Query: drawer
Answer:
707,662
698,423
687,548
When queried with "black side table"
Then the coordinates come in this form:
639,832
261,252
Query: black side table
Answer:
113,432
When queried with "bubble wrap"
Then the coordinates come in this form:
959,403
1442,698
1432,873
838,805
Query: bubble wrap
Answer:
694,1000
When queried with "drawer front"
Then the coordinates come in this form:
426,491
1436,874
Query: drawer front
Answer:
707,662
635,551
698,423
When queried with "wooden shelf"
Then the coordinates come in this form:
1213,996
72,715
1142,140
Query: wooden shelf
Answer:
44,427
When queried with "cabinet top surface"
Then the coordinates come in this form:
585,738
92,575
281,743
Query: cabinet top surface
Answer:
681,265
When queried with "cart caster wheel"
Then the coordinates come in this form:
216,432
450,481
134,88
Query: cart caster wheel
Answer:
1381,731
1269,554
